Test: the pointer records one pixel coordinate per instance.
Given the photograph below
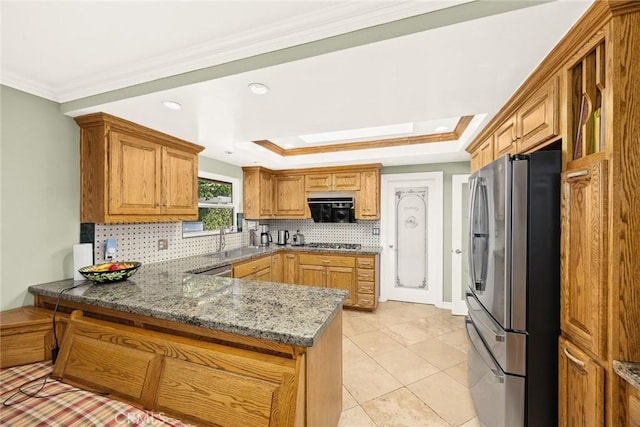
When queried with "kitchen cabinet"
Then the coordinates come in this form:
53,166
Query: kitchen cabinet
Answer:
282,194
339,181
331,271
366,286
581,388
505,138
583,257
276,267
290,200
483,156
538,118
255,269
368,197
290,268
533,123
258,193
130,173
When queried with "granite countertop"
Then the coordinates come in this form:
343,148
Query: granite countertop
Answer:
628,371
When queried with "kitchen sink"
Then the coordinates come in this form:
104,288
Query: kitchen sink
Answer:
234,253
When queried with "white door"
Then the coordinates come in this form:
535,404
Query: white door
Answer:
459,242
411,235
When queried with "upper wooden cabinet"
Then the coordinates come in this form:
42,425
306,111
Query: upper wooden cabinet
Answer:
283,194
537,119
339,181
483,155
130,173
534,122
290,200
258,200
368,197
505,138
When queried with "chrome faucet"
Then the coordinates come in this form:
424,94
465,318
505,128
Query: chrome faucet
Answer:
221,240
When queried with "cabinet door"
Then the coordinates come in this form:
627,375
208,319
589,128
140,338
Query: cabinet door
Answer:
266,194
581,388
583,257
538,117
505,138
134,176
311,275
368,198
346,181
290,269
276,267
180,175
263,275
290,196
318,182
342,278
486,151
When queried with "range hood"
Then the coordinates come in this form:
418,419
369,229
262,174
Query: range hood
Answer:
332,206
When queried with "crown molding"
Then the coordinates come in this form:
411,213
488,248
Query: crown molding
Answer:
338,19
461,126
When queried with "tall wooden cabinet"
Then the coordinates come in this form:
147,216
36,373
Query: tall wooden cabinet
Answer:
130,173
585,97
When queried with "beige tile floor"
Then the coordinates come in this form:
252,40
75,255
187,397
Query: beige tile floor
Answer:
405,365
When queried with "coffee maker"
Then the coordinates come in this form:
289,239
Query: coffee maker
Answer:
265,235
283,237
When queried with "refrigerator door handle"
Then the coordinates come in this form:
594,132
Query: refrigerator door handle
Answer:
474,182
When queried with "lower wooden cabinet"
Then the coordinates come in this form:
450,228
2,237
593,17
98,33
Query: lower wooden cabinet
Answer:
255,269
581,387
356,274
276,268
331,271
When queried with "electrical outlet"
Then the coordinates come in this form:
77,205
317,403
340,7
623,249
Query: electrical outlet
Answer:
163,244
376,231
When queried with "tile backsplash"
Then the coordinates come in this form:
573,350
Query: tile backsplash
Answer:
359,232
139,242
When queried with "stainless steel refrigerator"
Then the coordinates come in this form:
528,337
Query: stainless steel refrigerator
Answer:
513,295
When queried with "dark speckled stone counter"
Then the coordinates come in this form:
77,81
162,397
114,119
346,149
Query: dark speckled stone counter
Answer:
289,314
628,371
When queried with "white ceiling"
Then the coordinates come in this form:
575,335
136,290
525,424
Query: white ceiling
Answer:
83,54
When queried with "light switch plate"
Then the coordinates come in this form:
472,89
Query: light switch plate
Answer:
376,231
163,244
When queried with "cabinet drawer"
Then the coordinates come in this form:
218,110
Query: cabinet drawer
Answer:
366,262
327,260
366,287
366,300
366,275
250,267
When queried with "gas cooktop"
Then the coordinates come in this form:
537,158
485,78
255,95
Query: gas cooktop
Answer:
353,246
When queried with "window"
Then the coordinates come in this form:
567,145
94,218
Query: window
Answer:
218,198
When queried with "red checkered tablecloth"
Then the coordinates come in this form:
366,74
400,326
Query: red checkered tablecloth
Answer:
60,404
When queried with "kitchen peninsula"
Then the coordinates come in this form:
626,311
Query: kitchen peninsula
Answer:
211,350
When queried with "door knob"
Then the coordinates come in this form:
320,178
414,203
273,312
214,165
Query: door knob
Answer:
391,246
458,251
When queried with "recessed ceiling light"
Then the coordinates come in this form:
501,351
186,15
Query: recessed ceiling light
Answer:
441,128
289,145
258,88
172,105
341,135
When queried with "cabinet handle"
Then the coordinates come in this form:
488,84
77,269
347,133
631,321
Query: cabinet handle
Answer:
254,267
326,260
577,174
573,358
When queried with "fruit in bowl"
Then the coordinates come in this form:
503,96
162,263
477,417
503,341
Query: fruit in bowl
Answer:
110,271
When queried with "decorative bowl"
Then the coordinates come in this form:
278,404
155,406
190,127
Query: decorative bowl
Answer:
109,272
